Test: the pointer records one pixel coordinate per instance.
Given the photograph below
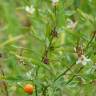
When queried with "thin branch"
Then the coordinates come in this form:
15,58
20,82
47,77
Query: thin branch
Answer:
93,36
36,79
62,74
75,75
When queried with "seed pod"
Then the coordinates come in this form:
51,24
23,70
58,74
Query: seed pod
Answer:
46,60
54,33
0,55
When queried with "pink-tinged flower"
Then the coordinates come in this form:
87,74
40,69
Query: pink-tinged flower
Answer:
83,60
71,24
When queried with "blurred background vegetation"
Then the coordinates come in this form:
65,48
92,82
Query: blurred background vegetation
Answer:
38,44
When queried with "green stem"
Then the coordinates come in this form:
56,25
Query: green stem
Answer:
75,75
94,34
62,74
36,79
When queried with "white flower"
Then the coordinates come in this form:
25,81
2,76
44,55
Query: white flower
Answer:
31,73
30,9
71,24
83,60
54,2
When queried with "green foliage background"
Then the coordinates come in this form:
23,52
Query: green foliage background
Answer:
24,38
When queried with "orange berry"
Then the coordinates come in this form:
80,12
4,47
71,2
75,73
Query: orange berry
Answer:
28,88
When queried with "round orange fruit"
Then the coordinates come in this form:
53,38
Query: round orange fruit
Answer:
28,88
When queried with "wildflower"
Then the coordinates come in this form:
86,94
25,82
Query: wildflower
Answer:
31,73
30,9
54,2
83,60
71,24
